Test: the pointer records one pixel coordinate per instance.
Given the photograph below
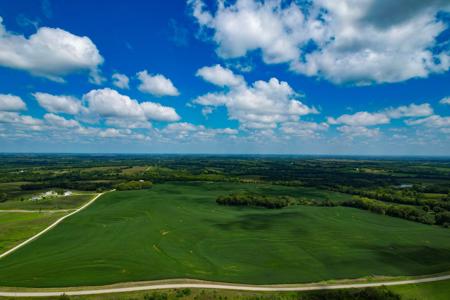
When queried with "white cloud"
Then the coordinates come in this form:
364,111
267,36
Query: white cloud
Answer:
50,52
361,118
156,85
207,110
412,110
220,76
212,99
10,102
434,121
364,118
304,129
358,131
109,103
17,120
188,131
445,100
156,111
125,123
345,41
59,121
59,103
121,80
262,105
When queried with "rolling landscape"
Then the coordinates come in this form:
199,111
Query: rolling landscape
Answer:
225,150
225,219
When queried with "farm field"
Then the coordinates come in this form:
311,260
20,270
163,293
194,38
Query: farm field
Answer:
17,227
176,230
49,203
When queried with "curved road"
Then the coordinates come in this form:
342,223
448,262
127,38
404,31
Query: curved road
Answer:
222,286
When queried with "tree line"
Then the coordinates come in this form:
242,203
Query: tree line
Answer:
251,199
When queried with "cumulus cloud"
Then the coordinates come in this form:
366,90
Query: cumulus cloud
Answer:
50,52
59,121
158,112
412,110
364,118
264,104
358,131
445,100
356,124
187,131
10,102
156,85
121,81
304,129
18,120
109,103
58,103
348,41
220,76
433,121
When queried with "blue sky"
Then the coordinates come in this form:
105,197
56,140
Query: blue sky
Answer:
303,77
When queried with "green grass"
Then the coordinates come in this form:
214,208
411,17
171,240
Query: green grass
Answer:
177,230
60,202
17,227
439,290
424,291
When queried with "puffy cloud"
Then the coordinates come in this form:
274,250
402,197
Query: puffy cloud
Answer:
220,76
121,80
50,52
364,118
264,104
445,100
358,131
125,123
59,103
361,118
187,131
207,110
109,103
304,129
156,111
17,120
343,41
212,99
431,121
10,102
157,85
59,121
412,110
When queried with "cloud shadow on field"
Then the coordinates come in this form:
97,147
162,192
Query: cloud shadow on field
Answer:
255,221
413,259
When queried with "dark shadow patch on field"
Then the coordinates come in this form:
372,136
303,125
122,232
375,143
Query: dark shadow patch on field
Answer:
411,259
256,221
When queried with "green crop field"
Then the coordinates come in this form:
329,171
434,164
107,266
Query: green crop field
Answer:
17,227
178,231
